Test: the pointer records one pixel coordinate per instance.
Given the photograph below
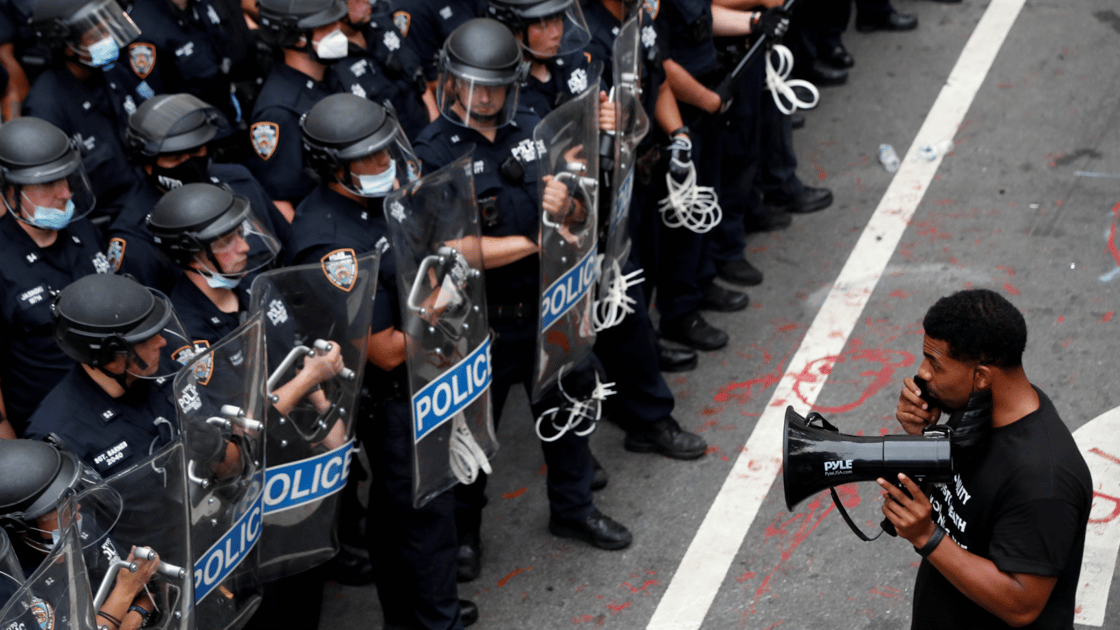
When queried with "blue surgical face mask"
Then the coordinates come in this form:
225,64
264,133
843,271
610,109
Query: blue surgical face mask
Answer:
49,218
381,184
56,534
218,281
103,52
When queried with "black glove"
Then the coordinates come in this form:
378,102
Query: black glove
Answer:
725,93
773,22
206,442
680,156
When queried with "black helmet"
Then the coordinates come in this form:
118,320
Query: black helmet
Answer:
481,53
345,127
172,123
519,15
283,21
58,23
35,153
191,218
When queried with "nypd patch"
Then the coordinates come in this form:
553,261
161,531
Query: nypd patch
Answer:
117,246
402,20
43,613
341,268
264,136
202,369
142,58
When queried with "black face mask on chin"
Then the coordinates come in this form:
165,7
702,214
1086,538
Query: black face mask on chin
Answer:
192,171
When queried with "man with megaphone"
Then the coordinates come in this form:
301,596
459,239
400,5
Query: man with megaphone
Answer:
1002,543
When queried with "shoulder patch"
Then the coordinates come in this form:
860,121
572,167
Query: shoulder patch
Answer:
42,612
117,246
341,268
142,58
402,20
203,369
264,137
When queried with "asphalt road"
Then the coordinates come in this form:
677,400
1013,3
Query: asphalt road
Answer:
1024,204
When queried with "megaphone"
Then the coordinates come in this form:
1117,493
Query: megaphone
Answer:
816,456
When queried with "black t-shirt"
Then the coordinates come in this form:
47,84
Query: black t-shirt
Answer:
1025,507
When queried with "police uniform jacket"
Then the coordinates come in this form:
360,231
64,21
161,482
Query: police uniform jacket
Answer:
361,74
426,24
109,434
98,111
506,178
403,67
195,45
569,78
652,34
31,363
277,157
200,317
690,41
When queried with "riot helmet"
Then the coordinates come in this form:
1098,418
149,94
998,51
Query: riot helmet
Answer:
103,320
546,28
40,480
173,128
291,24
42,179
95,30
210,220
481,70
358,144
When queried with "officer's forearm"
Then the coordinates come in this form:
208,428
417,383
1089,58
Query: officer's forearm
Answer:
730,22
498,251
18,86
293,391
386,349
688,90
665,110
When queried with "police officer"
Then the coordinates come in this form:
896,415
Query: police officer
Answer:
480,74
359,150
205,48
114,407
90,90
378,45
170,137
426,25
47,245
309,35
553,35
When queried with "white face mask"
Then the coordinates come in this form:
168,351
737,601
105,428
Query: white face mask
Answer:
333,46
103,52
381,184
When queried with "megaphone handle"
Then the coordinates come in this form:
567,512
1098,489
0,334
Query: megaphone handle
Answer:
847,519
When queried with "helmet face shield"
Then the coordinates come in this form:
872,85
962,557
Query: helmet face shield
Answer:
477,102
247,248
99,30
556,34
382,170
54,204
152,345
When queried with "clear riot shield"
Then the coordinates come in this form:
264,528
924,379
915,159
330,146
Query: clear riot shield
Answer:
57,594
221,403
310,436
631,125
568,141
11,575
434,226
154,518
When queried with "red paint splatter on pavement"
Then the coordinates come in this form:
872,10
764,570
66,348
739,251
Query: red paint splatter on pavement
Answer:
1008,270
889,592
543,469
712,449
745,577
588,618
505,580
635,589
1112,249
889,360
774,625
1010,288
899,294
614,608
711,411
1061,318
514,494
1107,318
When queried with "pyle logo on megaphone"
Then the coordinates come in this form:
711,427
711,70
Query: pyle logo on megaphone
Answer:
838,467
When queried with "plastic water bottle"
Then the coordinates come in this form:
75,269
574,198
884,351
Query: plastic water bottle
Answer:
888,158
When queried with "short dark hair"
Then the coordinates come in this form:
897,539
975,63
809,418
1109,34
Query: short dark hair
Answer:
979,325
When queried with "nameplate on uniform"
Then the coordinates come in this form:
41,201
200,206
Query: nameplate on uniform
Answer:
449,394
231,549
566,291
291,485
116,454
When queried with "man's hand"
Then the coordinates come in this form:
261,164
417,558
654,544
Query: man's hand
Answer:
913,413
555,200
606,113
324,365
910,516
132,583
772,22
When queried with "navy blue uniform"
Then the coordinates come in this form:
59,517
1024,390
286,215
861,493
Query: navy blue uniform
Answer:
513,288
277,157
361,74
198,46
426,24
413,549
109,434
402,67
31,363
98,111
132,251
568,79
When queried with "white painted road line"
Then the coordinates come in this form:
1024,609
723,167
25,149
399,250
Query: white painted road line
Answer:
709,556
1099,443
